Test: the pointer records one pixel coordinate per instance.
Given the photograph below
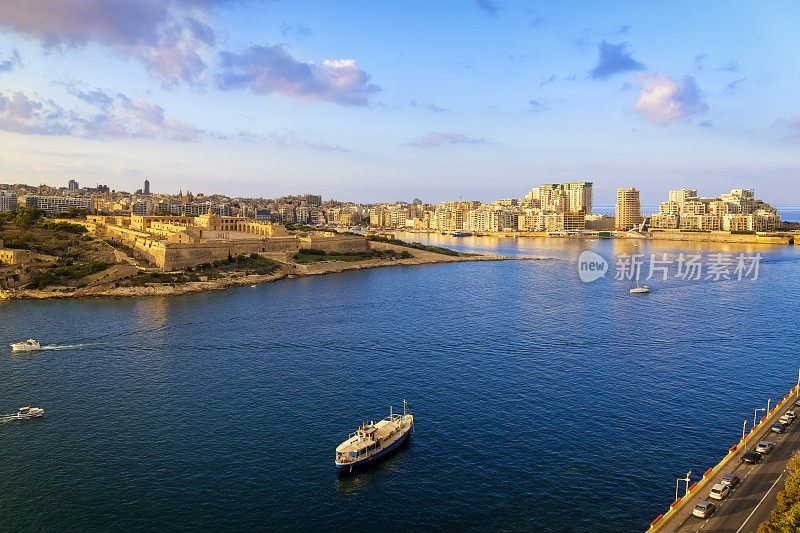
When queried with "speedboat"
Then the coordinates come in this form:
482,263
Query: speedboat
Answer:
640,289
29,412
374,440
25,346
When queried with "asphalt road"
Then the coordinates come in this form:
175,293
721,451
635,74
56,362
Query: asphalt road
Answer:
752,501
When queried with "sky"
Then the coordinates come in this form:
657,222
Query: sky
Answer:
386,101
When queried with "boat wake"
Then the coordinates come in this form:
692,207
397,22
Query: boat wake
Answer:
63,346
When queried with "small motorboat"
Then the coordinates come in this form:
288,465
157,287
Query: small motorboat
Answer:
29,412
25,346
640,289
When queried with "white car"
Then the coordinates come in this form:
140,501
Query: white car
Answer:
764,447
785,420
719,491
791,414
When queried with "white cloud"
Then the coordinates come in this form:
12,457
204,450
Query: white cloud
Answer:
432,138
663,100
272,69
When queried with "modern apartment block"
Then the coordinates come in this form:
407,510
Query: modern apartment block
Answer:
8,201
59,204
737,211
629,209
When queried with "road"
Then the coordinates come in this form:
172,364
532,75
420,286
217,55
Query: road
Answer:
752,501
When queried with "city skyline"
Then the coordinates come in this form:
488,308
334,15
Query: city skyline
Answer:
379,103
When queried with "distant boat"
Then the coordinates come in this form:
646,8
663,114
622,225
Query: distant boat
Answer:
25,346
640,289
28,412
374,440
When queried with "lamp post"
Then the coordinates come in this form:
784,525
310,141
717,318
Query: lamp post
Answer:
744,427
768,402
678,482
755,415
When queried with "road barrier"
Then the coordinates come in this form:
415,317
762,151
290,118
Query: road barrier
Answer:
712,472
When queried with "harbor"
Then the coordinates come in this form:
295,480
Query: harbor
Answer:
581,395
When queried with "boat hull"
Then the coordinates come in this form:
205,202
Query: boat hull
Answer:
350,466
24,348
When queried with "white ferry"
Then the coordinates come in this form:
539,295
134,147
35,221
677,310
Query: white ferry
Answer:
28,412
374,440
25,346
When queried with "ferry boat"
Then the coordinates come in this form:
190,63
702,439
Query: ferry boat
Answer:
374,440
25,346
29,412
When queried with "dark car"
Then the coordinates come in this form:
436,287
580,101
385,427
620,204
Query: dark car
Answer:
777,427
730,479
751,457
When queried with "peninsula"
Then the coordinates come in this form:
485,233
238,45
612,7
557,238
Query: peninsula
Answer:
97,256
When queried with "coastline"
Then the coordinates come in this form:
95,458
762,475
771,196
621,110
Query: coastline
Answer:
240,279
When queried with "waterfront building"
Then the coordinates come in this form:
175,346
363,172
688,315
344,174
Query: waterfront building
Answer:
8,201
681,195
629,209
737,211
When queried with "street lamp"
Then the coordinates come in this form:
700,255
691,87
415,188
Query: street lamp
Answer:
744,427
755,415
768,402
678,481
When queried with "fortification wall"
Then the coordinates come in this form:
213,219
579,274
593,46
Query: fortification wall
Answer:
336,243
178,256
718,237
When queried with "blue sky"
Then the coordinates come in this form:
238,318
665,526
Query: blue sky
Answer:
379,101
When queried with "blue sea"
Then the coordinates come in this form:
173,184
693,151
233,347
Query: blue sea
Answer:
542,402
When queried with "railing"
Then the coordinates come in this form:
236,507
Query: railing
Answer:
678,504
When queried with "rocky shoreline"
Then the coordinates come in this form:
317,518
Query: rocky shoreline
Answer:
242,279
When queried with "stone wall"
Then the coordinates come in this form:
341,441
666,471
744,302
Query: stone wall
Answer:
718,236
178,256
336,243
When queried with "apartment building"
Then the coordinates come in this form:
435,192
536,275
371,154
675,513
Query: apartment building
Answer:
8,201
628,212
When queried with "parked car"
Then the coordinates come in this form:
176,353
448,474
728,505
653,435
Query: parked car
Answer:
764,446
791,414
797,402
786,420
778,427
719,491
730,479
704,509
751,457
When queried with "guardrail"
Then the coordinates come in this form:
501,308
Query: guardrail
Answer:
712,472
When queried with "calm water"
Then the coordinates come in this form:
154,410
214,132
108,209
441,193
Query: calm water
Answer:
542,403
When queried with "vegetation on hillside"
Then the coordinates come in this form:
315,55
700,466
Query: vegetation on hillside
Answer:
312,255
415,245
786,515
67,273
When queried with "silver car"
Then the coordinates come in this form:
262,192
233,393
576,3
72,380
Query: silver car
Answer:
704,509
764,446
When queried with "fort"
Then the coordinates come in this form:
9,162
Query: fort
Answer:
178,242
